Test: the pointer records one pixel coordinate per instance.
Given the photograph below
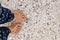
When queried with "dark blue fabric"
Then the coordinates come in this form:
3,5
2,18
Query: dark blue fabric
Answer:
5,15
4,32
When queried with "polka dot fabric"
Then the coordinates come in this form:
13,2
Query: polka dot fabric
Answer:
5,15
4,32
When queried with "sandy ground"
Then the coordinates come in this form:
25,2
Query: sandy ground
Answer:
43,19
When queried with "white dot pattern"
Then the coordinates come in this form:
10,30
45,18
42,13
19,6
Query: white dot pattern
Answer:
5,15
4,32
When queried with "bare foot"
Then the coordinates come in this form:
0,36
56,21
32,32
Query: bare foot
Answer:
16,25
19,16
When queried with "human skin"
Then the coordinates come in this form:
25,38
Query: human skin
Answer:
16,24
19,16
